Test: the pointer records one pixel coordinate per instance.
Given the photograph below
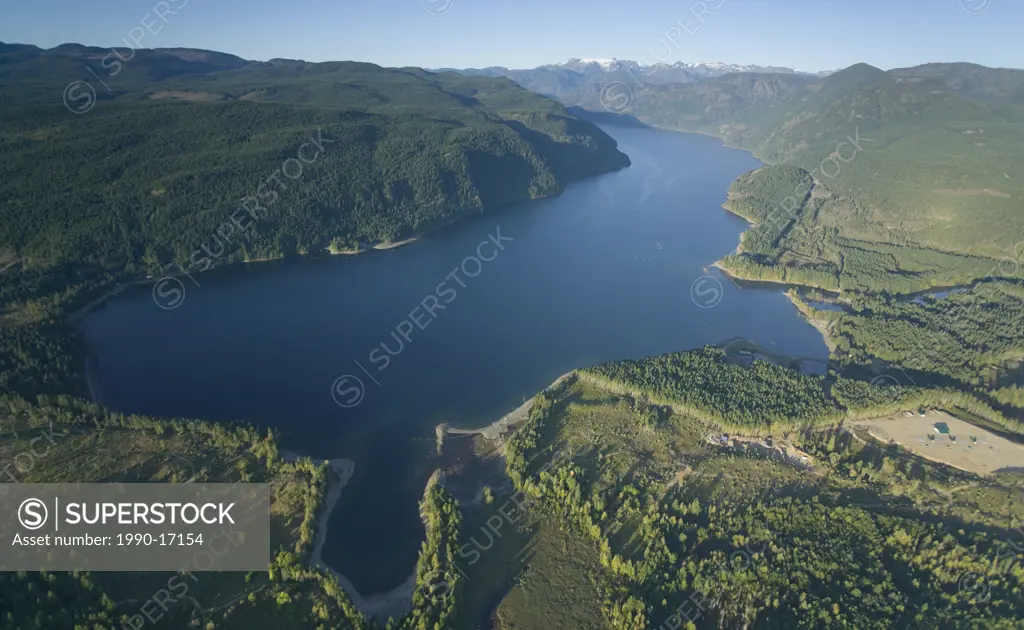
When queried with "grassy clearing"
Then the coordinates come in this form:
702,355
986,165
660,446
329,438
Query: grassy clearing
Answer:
491,561
560,587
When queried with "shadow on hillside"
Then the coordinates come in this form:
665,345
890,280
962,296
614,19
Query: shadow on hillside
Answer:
1018,470
606,118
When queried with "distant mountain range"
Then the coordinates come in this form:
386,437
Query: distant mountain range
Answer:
561,79
683,71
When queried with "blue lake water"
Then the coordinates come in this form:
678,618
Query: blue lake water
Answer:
616,267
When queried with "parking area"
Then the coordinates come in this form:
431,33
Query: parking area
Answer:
940,437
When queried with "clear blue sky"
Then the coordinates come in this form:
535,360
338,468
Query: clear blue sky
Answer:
806,34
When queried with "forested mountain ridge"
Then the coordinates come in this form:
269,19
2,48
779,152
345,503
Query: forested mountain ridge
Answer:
564,80
124,67
927,158
162,160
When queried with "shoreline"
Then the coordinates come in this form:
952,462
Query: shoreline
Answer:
123,284
118,288
384,246
396,602
495,430
381,246
92,380
393,603
382,606
708,134
751,223
732,275
818,324
399,243
821,325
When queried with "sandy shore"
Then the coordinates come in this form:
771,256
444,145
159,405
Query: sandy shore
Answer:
500,427
826,333
344,468
380,246
394,603
123,286
383,246
821,325
395,244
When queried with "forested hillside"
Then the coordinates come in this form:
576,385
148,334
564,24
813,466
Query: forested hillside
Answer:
291,157
703,383
75,441
970,339
764,398
803,234
927,158
675,529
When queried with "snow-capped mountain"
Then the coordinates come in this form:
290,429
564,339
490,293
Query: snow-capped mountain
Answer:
704,69
569,78
586,61
584,69
697,70
591,64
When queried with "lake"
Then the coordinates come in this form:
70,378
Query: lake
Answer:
614,268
